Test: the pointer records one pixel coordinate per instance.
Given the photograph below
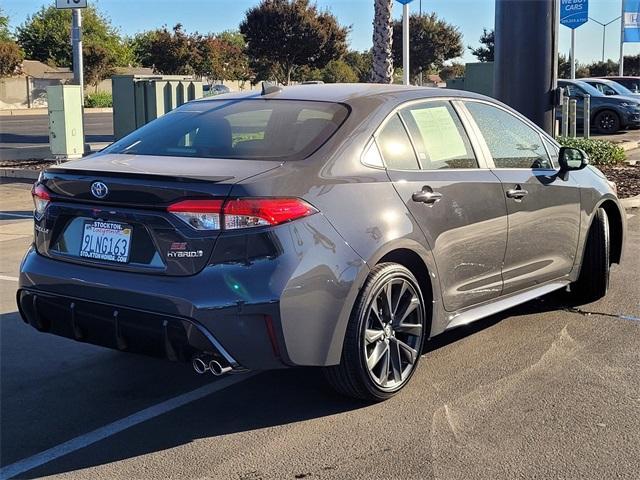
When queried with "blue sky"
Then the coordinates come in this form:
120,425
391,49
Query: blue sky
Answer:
132,16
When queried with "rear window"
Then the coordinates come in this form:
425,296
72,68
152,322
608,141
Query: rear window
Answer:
242,129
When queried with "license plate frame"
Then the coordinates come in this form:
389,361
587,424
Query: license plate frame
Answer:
107,241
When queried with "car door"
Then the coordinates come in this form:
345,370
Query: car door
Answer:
543,207
456,200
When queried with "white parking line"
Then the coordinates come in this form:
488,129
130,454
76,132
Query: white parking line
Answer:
118,426
17,215
9,279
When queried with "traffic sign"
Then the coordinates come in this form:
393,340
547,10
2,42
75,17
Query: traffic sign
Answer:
71,3
574,13
404,2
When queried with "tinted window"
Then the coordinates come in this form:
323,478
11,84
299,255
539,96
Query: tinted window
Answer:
241,129
553,150
396,147
512,143
438,136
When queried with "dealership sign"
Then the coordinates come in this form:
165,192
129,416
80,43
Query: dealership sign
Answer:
631,20
574,13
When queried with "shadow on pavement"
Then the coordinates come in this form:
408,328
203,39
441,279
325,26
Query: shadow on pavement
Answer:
270,399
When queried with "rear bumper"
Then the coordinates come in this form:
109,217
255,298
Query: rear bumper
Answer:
283,302
126,329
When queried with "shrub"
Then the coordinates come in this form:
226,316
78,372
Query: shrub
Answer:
98,100
600,152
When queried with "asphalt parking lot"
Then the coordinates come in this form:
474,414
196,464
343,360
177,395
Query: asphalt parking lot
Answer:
540,391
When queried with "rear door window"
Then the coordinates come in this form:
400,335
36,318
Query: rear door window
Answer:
395,146
439,137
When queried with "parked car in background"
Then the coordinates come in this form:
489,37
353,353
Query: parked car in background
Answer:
609,87
211,90
632,83
333,226
609,113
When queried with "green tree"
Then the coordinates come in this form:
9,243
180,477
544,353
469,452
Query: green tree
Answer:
5,34
361,63
338,71
11,56
170,52
432,42
486,51
564,68
222,57
284,35
454,70
99,64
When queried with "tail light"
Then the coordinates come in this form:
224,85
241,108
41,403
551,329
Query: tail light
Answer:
240,213
41,200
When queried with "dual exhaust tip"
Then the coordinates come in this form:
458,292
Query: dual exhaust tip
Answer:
203,364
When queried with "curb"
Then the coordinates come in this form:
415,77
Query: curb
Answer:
626,146
21,173
16,112
631,202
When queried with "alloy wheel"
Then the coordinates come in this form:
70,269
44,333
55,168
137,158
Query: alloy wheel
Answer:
393,333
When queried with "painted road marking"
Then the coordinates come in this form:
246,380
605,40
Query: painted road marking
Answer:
22,466
17,215
8,279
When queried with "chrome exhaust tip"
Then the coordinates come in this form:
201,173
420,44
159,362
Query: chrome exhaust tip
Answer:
217,369
199,365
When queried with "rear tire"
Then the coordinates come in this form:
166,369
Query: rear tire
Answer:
384,337
607,122
593,282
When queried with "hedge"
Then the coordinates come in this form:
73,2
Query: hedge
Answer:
600,152
98,100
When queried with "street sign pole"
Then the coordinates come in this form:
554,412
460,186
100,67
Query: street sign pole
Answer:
621,64
573,13
405,44
76,41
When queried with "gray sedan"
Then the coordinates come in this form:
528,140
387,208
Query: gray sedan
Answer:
331,226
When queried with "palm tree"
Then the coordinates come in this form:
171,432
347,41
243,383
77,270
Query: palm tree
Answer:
382,71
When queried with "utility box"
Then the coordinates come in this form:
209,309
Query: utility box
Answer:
66,132
139,99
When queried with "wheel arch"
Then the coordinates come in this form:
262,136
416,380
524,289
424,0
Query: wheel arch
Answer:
616,228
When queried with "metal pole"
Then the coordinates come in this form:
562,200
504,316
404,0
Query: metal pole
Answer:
572,117
564,129
78,67
587,116
76,41
573,54
405,43
621,67
604,31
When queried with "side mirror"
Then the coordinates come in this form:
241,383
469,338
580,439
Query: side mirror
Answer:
572,159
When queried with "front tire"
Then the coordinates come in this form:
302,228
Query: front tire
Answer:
607,122
593,282
384,338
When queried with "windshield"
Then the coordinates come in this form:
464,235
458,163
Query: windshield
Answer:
620,89
589,89
238,129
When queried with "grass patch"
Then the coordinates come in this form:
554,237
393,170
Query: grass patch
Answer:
98,100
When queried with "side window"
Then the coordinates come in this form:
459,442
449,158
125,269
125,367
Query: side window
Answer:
512,143
439,136
396,147
554,151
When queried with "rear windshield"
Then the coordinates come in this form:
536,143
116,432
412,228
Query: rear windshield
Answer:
243,129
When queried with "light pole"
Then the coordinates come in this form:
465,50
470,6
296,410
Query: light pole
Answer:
604,31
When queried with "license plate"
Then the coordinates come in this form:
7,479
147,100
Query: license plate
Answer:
106,241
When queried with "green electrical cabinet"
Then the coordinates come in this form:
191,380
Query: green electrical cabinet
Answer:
66,133
138,99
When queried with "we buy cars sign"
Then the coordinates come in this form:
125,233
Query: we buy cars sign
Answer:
574,13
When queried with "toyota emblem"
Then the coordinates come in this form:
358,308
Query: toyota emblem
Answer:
99,190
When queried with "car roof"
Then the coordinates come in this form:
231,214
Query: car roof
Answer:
344,92
595,79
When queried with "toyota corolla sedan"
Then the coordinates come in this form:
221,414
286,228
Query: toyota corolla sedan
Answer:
332,226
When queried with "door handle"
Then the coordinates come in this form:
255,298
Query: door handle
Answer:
426,195
517,193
